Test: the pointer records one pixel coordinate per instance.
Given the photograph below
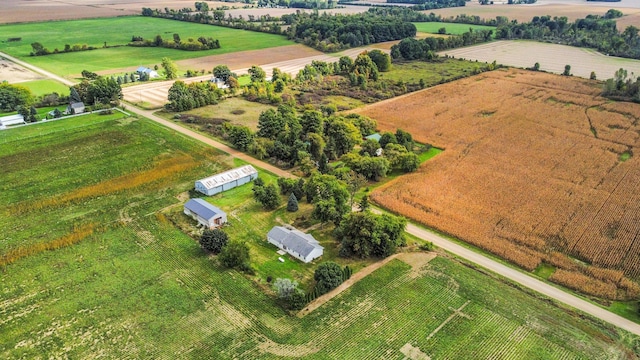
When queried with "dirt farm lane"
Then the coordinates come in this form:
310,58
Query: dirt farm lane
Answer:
512,274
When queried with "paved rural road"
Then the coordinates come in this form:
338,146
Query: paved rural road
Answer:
509,273
524,279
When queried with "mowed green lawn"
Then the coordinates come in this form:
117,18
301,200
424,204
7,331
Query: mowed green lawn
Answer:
451,28
139,287
118,31
432,72
43,87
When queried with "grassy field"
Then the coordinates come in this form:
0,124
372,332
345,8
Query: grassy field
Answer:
236,110
118,31
433,73
42,87
452,28
139,287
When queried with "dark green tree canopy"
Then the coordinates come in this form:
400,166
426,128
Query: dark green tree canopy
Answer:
364,234
235,255
214,240
328,276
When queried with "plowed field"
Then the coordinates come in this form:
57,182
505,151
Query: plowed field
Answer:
532,172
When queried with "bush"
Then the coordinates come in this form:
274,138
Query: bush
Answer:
214,240
236,255
328,276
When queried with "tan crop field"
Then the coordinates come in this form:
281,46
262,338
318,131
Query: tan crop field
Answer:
572,9
534,170
14,11
551,57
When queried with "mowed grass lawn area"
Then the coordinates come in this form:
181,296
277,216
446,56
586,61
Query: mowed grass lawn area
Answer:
118,31
43,87
139,287
451,28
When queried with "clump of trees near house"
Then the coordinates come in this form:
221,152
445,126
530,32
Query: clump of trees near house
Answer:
103,90
622,87
365,234
183,97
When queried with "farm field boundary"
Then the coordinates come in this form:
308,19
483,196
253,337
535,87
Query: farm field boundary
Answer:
529,201
551,57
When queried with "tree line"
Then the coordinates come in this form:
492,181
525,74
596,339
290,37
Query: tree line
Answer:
426,49
202,43
594,31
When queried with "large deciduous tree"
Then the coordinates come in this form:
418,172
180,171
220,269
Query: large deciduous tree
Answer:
170,68
364,234
236,255
12,96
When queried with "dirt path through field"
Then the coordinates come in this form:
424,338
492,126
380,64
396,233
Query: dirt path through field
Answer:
415,260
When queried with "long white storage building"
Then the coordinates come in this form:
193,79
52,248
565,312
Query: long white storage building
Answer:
227,180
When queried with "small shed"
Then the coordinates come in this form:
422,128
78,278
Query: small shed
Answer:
16,119
227,180
206,214
75,108
301,246
219,83
152,73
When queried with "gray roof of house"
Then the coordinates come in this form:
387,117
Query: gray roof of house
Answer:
77,105
203,208
375,136
295,240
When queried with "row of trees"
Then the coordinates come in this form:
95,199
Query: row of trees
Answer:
184,97
598,32
37,49
425,49
202,43
336,32
622,87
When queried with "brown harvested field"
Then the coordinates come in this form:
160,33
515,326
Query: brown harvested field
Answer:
531,172
14,73
257,12
14,11
551,57
572,9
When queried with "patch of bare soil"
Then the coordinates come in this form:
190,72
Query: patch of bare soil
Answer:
14,73
415,260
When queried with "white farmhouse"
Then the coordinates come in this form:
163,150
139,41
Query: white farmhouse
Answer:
206,214
298,244
227,180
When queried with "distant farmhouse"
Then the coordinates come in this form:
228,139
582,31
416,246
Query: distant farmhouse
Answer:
206,214
227,180
151,73
75,108
10,120
298,244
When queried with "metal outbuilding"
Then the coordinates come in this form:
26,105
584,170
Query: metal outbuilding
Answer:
227,180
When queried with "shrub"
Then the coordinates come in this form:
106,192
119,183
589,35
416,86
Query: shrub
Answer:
328,276
214,240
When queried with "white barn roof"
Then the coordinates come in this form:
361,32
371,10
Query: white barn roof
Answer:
227,176
295,240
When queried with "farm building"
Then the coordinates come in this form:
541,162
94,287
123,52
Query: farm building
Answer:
227,180
298,244
206,214
152,73
6,121
75,108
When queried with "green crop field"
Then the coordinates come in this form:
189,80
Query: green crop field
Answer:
433,72
451,28
118,31
136,286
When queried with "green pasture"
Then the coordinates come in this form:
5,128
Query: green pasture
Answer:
141,287
451,28
432,72
118,31
236,110
43,87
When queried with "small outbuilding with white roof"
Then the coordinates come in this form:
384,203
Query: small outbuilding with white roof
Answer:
227,180
206,214
296,243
